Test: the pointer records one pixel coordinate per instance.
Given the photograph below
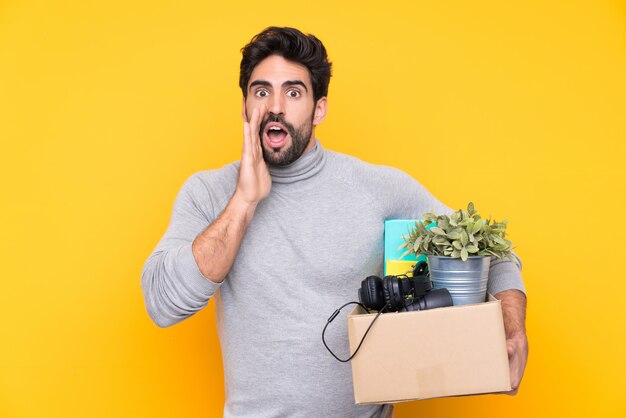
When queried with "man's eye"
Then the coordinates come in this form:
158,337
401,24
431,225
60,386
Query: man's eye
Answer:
261,93
293,93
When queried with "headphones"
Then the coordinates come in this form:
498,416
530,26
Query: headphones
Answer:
395,294
401,293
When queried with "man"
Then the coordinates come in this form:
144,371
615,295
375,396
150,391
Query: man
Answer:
283,237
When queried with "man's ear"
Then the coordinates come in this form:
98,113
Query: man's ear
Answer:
320,111
243,109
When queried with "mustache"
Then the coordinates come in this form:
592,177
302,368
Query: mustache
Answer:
276,118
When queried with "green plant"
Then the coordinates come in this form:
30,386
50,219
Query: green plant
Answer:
460,235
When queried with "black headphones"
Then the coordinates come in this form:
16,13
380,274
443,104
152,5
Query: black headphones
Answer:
399,293
395,294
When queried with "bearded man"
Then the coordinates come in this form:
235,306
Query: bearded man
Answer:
285,235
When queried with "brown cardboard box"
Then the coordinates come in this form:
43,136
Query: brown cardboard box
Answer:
459,350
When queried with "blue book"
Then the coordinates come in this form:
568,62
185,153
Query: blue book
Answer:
394,230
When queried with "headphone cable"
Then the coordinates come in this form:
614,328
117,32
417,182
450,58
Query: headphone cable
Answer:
334,315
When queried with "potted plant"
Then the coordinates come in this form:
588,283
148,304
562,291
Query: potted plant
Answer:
459,248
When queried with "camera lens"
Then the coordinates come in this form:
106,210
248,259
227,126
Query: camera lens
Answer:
438,298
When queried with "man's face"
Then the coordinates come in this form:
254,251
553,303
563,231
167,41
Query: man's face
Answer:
287,130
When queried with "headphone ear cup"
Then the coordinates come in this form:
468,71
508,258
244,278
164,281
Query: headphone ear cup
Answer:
394,293
397,294
371,293
388,292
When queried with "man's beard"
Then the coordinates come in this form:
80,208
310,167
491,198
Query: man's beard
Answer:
300,138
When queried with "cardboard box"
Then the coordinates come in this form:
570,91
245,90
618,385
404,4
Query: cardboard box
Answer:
453,351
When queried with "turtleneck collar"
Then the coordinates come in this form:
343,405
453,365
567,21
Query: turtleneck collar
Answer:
308,165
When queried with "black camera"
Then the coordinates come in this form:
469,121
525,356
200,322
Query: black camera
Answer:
403,293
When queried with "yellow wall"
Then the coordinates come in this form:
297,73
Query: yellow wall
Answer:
107,107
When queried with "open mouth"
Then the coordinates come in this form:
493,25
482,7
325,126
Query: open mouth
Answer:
275,135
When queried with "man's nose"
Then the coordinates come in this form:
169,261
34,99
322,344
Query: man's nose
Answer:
277,105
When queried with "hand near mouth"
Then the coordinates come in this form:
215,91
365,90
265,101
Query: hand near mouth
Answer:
254,182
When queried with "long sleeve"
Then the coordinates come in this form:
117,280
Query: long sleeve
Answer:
505,275
172,284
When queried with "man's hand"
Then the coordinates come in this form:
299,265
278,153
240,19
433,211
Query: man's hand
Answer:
216,247
514,312
254,182
517,347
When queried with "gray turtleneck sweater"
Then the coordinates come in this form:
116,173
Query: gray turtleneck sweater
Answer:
309,245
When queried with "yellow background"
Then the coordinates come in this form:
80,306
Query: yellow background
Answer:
107,107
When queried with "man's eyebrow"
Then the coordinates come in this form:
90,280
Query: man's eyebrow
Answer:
287,83
260,83
295,83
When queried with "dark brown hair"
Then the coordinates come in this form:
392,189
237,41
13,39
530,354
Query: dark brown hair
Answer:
292,45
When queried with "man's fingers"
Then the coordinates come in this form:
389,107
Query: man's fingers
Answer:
254,120
516,367
246,153
510,393
252,143
262,112
262,115
510,348
255,123
516,377
251,148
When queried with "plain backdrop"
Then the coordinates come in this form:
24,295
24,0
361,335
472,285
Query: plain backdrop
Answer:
107,107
